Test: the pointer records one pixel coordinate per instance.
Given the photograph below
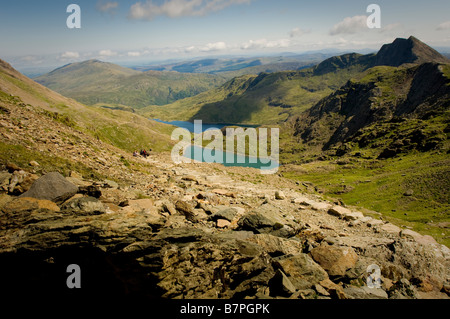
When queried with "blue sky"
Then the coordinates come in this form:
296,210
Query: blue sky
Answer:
34,33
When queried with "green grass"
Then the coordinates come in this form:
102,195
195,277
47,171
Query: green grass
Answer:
21,156
380,186
264,99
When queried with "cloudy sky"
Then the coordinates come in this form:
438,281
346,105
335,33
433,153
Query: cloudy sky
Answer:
35,33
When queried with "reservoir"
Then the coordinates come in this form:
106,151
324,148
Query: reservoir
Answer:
205,126
225,158
238,160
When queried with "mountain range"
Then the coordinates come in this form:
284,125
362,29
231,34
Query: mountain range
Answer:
271,98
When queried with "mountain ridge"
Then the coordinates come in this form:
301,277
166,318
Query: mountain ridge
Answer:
276,97
96,82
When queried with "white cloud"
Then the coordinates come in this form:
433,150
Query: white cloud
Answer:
214,47
297,32
265,44
443,26
106,53
106,6
70,55
179,8
134,53
350,25
190,49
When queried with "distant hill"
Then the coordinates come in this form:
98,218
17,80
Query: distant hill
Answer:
267,98
93,82
120,128
234,66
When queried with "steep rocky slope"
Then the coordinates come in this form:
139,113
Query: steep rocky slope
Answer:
385,94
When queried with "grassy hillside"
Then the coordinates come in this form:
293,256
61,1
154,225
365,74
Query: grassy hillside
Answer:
263,99
120,128
93,82
410,190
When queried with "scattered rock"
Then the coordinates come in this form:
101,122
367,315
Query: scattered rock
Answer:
169,207
391,229
339,211
29,204
34,164
228,214
335,260
110,184
91,190
409,192
84,206
301,270
334,290
11,167
222,223
402,289
52,186
277,246
365,293
279,195
187,210
280,285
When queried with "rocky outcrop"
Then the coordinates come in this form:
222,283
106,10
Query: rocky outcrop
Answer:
174,247
52,186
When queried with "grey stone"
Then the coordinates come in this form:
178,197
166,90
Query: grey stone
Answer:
85,206
228,213
52,186
365,293
301,270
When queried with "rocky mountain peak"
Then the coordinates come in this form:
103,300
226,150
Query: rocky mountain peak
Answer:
410,50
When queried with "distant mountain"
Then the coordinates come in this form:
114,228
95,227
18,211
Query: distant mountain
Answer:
122,129
93,82
397,53
235,66
410,50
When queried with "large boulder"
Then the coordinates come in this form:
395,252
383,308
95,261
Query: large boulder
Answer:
301,270
52,186
335,260
85,206
269,219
